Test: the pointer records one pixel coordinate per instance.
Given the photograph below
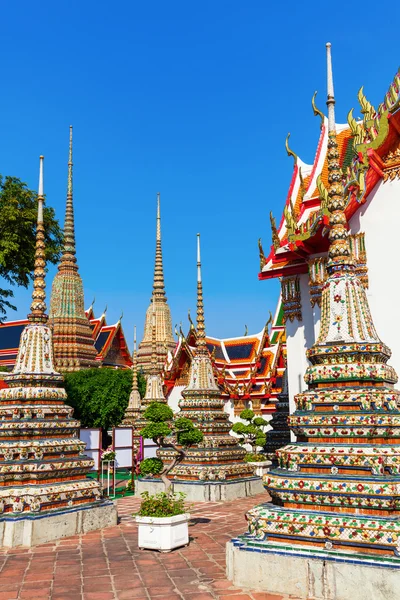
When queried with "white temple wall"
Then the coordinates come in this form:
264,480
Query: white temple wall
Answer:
300,335
379,219
175,396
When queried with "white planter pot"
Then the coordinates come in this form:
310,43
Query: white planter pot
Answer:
261,468
163,533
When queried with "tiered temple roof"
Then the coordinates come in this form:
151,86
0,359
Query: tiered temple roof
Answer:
367,152
246,368
218,457
109,340
338,487
74,347
164,337
42,463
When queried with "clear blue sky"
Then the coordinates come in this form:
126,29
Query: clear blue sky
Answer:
192,99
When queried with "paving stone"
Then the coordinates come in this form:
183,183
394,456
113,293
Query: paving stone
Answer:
107,564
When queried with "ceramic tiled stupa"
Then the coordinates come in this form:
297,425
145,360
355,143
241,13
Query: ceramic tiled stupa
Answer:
133,412
45,493
213,469
72,335
332,531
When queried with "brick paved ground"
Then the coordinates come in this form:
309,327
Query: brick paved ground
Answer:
107,564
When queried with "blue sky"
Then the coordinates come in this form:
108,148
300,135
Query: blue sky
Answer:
192,99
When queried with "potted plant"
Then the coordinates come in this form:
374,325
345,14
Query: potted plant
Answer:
162,518
253,434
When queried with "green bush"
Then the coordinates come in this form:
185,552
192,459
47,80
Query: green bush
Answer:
151,466
253,432
162,505
99,397
251,457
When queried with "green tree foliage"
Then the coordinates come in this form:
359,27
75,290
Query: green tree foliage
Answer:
100,396
252,433
170,432
18,217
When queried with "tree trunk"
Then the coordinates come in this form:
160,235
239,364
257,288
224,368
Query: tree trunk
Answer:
169,488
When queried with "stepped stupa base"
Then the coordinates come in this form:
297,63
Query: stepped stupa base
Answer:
311,574
207,491
33,529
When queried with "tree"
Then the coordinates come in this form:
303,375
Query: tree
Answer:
164,428
18,217
99,397
254,432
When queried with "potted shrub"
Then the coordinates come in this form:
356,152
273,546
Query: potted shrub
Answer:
253,434
162,518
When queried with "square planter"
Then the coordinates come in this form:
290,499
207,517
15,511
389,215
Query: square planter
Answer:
261,468
163,533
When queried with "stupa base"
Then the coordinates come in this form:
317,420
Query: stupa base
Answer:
207,491
311,574
32,529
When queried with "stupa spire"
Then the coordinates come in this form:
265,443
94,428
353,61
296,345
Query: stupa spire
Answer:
68,258
158,304
201,329
72,336
38,305
132,413
158,283
153,341
339,251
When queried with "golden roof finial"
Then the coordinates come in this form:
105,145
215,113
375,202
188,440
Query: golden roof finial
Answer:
201,330
339,249
316,110
158,283
275,236
38,305
289,151
68,257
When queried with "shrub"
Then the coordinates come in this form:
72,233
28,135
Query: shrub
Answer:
167,431
162,505
252,433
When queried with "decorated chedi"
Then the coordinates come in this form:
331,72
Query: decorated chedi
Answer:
154,384
336,494
132,412
213,469
164,337
72,336
45,493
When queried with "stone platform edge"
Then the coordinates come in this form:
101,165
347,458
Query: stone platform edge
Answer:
206,491
31,529
310,575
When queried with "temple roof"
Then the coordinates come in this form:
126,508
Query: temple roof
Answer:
364,147
246,366
110,343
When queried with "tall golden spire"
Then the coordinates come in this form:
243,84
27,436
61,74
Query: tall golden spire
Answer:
135,387
339,251
158,284
68,258
38,306
154,369
201,329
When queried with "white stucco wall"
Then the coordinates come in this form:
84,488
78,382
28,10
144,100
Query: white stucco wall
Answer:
299,337
379,218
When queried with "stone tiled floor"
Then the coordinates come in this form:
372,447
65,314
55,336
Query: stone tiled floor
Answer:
107,564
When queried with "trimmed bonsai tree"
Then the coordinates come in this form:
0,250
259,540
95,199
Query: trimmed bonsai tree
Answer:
253,432
171,432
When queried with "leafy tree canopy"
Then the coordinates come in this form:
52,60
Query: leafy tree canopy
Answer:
100,396
18,217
